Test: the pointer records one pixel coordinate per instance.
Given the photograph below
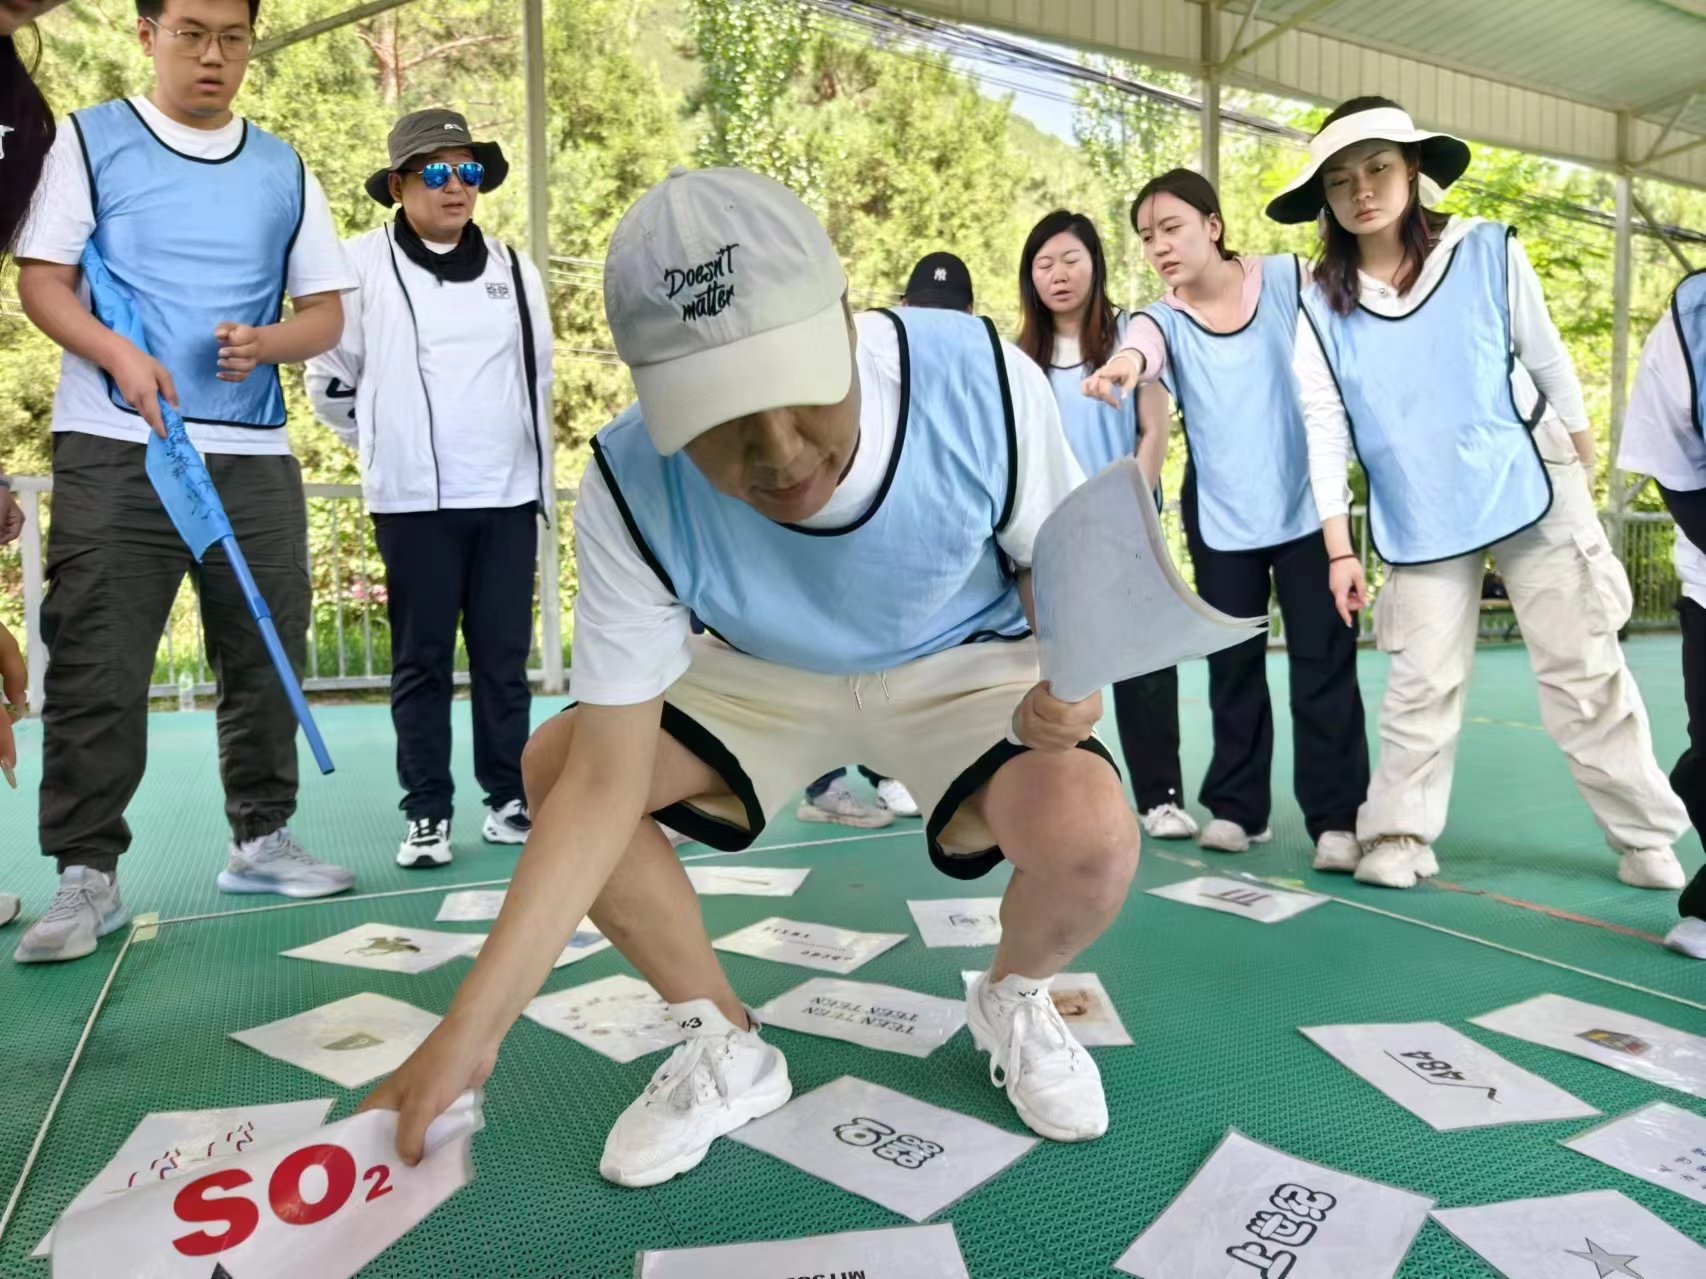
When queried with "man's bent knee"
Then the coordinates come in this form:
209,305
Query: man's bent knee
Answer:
543,757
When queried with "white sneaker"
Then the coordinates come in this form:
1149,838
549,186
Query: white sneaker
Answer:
1050,1078
427,844
1337,851
507,825
893,796
85,908
1397,861
1652,868
1229,837
1169,821
840,805
1688,938
9,908
720,1079
276,863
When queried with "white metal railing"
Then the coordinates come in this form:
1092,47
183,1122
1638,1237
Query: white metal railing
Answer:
349,637
349,641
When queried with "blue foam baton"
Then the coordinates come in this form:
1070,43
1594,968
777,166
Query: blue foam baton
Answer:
186,490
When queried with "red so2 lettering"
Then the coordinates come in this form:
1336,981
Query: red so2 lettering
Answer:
212,1200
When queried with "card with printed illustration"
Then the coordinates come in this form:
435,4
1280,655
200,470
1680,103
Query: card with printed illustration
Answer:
349,1041
1253,1212
788,941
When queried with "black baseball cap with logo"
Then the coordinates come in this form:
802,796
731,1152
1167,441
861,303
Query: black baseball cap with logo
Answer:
940,280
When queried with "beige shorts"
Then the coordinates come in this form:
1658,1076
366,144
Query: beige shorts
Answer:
939,724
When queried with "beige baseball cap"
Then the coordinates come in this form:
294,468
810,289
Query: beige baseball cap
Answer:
724,296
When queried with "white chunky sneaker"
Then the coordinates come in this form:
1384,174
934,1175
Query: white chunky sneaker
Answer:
1397,861
1050,1078
841,806
1337,851
426,844
9,908
1169,821
718,1080
1229,837
1688,938
86,908
1652,868
508,824
276,863
893,796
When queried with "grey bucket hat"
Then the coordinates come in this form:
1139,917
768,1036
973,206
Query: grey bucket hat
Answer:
422,133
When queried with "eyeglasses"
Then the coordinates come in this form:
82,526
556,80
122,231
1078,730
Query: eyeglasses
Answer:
235,46
470,173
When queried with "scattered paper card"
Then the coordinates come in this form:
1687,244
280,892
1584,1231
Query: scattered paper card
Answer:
174,1143
620,1016
912,1158
585,942
1110,604
746,881
1084,1006
324,1204
958,921
1553,1238
351,1041
1443,1077
835,950
905,1252
1270,1211
388,948
1259,902
471,906
1660,1143
1659,1054
883,1017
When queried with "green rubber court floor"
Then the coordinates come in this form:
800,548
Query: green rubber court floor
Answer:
1528,903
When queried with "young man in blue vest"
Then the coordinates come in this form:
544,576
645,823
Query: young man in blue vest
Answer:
782,454
210,222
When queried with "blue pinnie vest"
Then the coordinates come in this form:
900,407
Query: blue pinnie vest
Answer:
1688,308
1452,465
198,243
1238,399
918,573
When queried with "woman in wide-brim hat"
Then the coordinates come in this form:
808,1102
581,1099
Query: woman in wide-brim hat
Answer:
1424,343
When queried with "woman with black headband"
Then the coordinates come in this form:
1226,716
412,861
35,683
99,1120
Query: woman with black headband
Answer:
1425,344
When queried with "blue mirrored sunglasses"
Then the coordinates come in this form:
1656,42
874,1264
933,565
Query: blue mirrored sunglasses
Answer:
470,173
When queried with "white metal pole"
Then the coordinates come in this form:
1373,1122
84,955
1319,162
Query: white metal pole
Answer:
1622,279
1211,91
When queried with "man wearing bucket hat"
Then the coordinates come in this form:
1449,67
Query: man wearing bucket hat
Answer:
783,455
1424,341
441,383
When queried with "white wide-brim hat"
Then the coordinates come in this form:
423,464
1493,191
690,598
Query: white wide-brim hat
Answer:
1443,157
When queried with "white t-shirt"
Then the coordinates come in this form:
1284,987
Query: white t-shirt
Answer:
1660,439
61,221
631,634
471,362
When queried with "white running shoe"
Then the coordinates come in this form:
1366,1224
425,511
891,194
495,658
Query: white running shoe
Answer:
1050,1078
1397,861
276,863
9,908
1652,868
894,796
718,1080
1229,837
840,805
1337,851
427,844
507,825
1169,821
1688,938
86,907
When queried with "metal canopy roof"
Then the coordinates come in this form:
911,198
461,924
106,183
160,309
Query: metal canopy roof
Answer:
1552,77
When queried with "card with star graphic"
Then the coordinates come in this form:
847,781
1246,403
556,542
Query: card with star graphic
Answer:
1599,1234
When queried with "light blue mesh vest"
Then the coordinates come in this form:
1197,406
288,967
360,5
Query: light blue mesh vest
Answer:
1452,466
1243,424
1689,307
918,573
198,243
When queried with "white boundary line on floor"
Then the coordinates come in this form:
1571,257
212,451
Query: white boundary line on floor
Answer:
64,1083
498,883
